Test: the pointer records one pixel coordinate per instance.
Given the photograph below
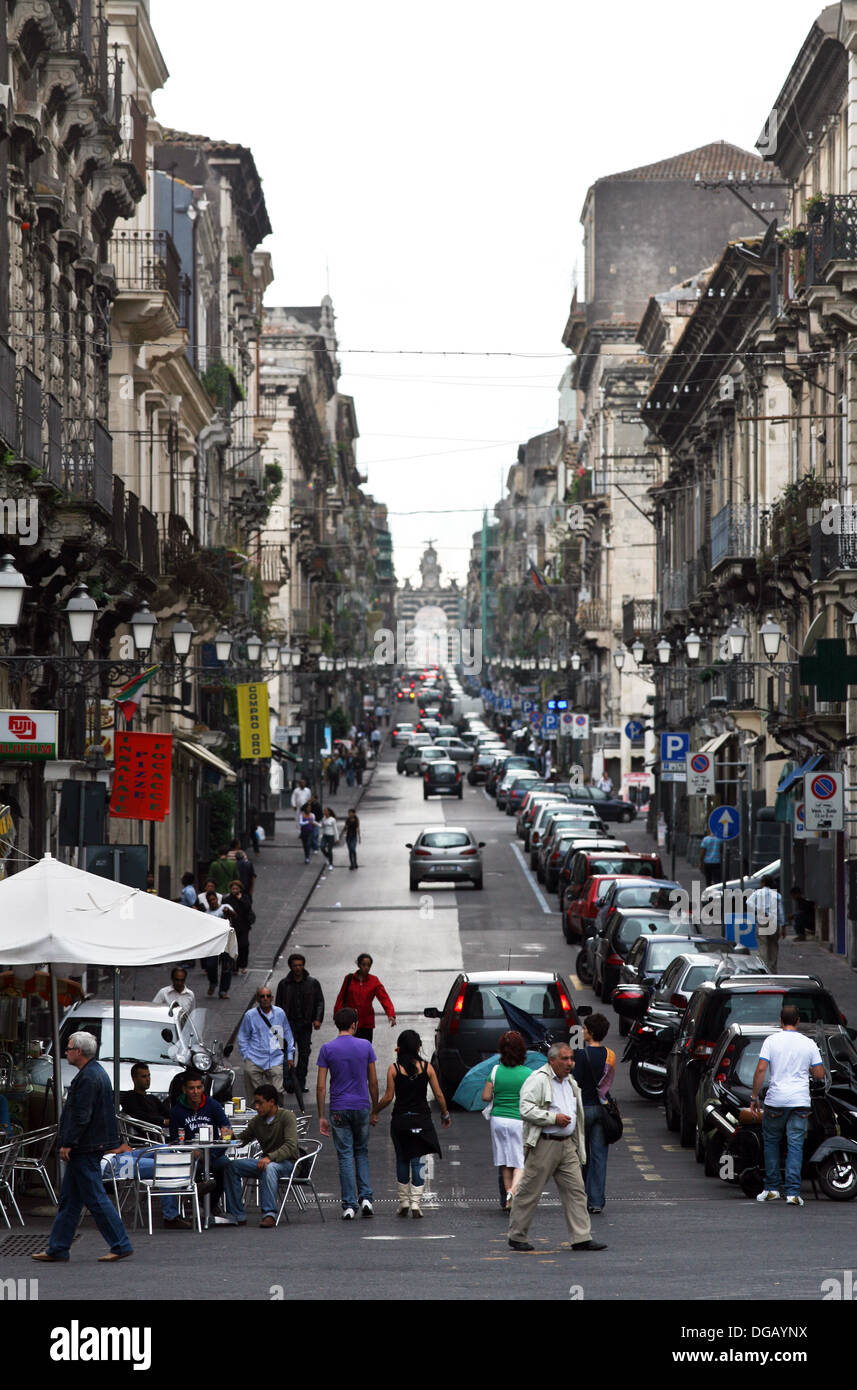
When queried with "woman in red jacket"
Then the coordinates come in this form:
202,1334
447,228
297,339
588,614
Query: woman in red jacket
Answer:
358,991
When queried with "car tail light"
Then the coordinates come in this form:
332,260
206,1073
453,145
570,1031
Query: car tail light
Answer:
458,1006
678,1001
769,991
467,852
613,959
555,856
422,854
428,779
534,838
703,1048
564,1002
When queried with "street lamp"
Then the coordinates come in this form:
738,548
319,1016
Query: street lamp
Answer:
223,645
272,653
638,651
693,645
182,634
81,611
664,651
253,643
619,658
736,637
575,661
12,586
772,635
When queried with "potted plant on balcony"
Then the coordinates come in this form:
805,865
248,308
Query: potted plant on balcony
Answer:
816,207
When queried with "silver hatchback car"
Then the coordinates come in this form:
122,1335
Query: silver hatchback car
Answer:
448,853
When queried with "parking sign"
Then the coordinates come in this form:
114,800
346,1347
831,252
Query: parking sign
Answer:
823,796
700,774
674,750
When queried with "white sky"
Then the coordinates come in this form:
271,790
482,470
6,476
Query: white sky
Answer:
430,164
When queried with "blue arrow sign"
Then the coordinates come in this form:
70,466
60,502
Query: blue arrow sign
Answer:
724,823
634,730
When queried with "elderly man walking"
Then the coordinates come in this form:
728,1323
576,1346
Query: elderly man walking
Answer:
265,1040
765,908
554,1146
87,1131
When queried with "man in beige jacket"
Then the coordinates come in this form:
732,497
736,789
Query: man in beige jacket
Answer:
554,1146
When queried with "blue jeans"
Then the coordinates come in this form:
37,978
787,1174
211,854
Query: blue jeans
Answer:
791,1122
350,1129
238,1168
409,1172
82,1187
595,1168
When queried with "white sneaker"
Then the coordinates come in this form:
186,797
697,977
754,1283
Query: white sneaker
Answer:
794,1201
768,1195
366,1208
348,1214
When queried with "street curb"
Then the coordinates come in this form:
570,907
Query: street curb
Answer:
370,774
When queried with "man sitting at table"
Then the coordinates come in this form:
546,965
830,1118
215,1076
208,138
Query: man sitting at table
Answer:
276,1131
138,1104
193,1109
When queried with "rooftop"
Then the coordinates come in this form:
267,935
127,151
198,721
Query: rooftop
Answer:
713,161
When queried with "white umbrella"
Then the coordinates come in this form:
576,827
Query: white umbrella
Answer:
54,913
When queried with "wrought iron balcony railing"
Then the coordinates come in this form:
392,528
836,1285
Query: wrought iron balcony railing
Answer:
833,238
735,533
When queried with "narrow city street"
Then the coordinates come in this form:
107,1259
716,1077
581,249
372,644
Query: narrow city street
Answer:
661,1212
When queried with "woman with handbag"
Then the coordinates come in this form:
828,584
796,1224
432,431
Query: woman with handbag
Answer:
411,1128
502,1090
594,1070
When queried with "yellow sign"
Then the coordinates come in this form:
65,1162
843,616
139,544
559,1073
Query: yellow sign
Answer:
254,726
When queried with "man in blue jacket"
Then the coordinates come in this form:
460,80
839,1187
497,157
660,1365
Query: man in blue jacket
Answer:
265,1041
87,1130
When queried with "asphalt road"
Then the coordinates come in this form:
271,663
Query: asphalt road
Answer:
672,1233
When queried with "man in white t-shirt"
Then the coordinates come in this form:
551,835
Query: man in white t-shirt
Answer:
791,1058
177,992
300,796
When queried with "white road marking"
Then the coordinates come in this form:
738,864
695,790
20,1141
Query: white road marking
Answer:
532,882
409,1237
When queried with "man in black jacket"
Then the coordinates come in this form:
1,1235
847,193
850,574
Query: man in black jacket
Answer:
87,1131
301,999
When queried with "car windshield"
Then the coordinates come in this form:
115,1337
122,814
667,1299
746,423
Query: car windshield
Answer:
642,896
445,839
660,953
542,999
140,1038
633,927
621,866
697,975
765,1005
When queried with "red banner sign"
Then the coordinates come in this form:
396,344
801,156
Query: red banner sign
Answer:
141,783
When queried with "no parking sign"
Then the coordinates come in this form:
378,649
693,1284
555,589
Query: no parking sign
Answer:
566,722
580,727
824,799
700,774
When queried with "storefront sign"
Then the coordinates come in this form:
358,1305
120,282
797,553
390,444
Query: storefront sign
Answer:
141,784
254,725
28,733
7,837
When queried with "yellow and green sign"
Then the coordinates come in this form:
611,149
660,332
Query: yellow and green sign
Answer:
254,726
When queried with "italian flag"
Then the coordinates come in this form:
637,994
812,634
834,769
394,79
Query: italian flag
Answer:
128,698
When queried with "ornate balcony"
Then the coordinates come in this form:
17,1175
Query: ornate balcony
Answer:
735,533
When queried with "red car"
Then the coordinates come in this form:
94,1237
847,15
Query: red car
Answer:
584,864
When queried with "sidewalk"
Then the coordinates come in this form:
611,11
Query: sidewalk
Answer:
283,886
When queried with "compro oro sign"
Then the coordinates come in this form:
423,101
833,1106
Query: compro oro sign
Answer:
28,733
823,799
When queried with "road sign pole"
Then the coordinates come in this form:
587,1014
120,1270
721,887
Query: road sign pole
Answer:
672,833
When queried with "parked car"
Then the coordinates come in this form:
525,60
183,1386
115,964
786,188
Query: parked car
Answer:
479,770
448,854
408,759
585,865
565,817
166,1038
717,1003
671,967
402,733
519,779
505,763
751,882
472,1019
607,807
454,748
578,909
652,894
416,758
613,945
553,851
532,817
442,778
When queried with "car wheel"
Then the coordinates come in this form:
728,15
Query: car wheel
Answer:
565,932
415,884
400,770
477,882
582,968
425,794
698,1146
686,1124
460,793
711,1161
670,1115
627,816
837,1177
624,1027
534,859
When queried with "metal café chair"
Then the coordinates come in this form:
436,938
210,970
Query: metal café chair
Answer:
8,1154
42,1141
174,1175
301,1178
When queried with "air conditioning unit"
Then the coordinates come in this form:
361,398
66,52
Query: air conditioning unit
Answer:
607,739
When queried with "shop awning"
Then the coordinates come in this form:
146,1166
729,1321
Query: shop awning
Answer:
717,742
281,755
789,778
205,756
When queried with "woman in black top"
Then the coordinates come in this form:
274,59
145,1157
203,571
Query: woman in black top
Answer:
242,920
594,1066
411,1130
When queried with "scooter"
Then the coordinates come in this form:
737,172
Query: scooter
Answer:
830,1150
647,1049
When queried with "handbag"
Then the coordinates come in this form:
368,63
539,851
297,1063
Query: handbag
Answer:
610,1114
489,1108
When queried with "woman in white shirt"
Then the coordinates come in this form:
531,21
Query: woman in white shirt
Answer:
329,834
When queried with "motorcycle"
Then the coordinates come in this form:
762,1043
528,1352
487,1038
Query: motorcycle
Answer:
649,1044
830,1150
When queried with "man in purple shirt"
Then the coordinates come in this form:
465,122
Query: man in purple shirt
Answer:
353,1107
